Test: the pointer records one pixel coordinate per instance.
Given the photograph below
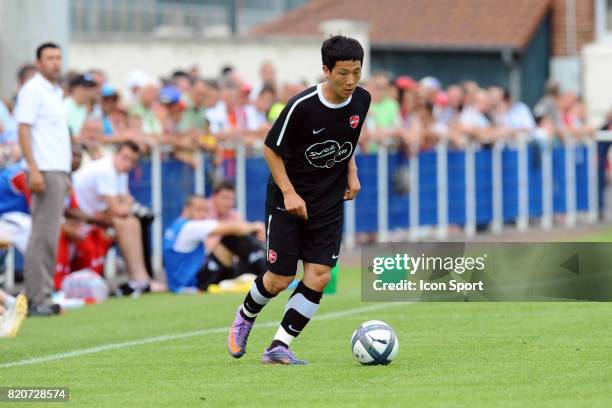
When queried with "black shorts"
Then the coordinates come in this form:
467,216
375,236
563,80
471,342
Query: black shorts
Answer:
290,238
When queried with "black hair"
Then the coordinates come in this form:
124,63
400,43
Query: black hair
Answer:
43,47
23,71
224,185
130,145
506,95
212,83
340,48
226,70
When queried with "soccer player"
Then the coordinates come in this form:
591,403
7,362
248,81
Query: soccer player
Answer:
309,151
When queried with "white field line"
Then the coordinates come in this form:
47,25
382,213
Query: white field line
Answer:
169,337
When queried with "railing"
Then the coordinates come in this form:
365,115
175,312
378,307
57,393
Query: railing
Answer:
472,188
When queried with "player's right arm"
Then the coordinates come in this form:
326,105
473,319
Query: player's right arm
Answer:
294,204
279,137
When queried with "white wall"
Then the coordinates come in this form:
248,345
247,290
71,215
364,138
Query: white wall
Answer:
24,25
294,59
597,76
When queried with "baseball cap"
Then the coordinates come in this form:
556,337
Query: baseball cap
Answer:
108,90
430,82
169,95
405,82
85,80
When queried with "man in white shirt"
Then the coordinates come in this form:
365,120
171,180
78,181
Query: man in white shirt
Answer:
45,143
101,190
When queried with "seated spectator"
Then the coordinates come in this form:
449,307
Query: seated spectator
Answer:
101,189
473,121
13,311
15,220
83,241
513,118
545,133
144,109
549,106
267,77
78,105
577,121
9,146
423,131
189,265
384,119
194,115
222,207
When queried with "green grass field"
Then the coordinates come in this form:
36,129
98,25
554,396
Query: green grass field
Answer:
164,350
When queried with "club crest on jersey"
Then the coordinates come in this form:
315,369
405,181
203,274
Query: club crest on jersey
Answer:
354,121
271,256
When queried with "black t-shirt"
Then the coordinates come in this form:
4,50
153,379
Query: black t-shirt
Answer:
316,140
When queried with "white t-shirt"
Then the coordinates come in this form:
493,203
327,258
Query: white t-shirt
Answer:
472,117
217,117
193,233
96,179
39,104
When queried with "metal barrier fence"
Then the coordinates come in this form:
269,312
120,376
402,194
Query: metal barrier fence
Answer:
505,183
494,186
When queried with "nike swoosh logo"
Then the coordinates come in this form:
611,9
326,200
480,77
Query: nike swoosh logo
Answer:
291,328
314,132
334,256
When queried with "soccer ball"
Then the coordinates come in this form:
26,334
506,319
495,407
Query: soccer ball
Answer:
374,343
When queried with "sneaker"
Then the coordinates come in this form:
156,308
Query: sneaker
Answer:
44,310
14,316
238,335
281,355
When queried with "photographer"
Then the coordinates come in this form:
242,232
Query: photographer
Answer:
101,189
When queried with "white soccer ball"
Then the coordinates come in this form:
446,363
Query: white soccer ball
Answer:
374,343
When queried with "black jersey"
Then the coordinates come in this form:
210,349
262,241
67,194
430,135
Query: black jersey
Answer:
316,140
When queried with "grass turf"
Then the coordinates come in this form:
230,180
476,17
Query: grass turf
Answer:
451,354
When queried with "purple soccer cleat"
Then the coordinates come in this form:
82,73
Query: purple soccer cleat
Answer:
238,335
281,355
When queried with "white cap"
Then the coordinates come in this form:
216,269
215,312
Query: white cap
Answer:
430,82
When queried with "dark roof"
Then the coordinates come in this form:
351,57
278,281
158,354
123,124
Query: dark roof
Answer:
445,24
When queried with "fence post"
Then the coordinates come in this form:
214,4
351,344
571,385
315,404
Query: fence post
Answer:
350,225
570,182
547,185
523,185
442,190
414,196
241,180
470,189
156,198
593,182
200,173
382,196
497,169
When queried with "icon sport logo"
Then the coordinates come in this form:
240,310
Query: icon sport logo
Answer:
354,121
271,256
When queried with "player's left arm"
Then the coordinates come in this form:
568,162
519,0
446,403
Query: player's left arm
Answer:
353,185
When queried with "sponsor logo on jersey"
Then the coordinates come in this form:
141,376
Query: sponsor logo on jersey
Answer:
354,121
325,154
271,256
